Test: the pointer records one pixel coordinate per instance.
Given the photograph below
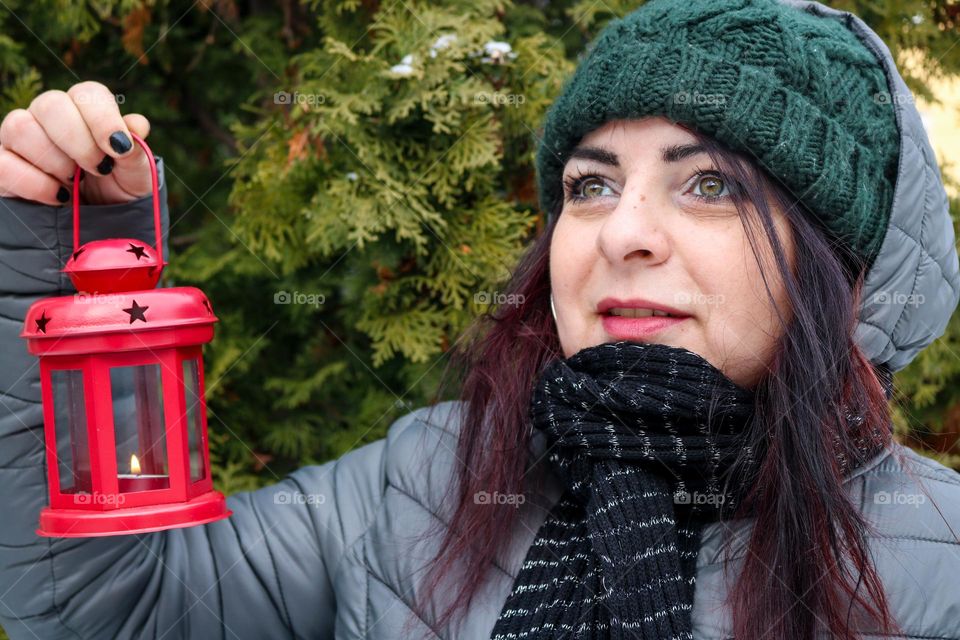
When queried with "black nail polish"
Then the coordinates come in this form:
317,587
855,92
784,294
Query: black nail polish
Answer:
105,166
63,195
120,142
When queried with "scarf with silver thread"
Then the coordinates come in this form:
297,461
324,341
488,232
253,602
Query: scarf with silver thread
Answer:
641,435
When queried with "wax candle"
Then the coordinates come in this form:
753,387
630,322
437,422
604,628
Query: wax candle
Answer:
137,481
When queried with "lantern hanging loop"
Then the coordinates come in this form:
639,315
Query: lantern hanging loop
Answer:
155,192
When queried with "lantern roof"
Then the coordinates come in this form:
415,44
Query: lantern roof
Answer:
115,280
114,264
85,314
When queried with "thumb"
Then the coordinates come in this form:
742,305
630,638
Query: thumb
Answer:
132,171
137,124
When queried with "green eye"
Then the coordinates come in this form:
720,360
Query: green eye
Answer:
592,187
711,187
584,187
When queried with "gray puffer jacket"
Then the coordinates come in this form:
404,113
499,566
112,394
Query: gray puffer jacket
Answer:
333,550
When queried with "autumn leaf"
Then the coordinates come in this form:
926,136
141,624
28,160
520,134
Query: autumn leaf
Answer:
134,24
297,147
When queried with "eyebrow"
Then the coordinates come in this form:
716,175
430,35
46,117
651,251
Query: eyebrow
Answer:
670,153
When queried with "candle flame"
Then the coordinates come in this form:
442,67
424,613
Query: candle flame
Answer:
134,464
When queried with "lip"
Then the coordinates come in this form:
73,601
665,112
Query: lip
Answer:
637,303
623,328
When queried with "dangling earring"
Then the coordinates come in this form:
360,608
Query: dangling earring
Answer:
553,309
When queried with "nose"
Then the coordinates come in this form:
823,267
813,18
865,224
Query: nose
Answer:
633,231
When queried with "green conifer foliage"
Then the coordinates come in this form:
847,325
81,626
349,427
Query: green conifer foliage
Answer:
349,180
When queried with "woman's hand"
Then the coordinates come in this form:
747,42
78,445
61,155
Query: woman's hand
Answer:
41,146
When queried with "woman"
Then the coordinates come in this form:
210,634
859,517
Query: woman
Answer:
752,168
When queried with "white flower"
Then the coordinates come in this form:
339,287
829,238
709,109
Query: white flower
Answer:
352,176
917,18
442,43
497,52
405,67
495,45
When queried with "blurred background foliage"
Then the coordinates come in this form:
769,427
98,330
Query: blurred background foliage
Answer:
350,180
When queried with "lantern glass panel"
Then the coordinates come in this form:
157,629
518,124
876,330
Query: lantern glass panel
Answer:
138,423
70,426
193,394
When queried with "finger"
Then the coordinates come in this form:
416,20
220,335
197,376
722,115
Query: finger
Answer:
130,178
98,106
138,124
23,135
132,172
20,179
60,119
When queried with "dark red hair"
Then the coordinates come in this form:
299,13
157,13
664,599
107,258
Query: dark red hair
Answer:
807,532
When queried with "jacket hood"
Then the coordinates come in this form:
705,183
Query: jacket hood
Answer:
913,286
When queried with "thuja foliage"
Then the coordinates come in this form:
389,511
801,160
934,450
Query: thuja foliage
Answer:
380,196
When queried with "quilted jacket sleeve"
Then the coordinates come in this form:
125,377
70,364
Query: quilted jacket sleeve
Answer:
265,572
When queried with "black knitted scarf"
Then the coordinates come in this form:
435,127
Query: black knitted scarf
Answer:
642,435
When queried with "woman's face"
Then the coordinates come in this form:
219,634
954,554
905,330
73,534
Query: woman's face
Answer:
648,222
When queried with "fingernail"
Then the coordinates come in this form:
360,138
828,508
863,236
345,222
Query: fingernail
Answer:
63,195
105,166
120,142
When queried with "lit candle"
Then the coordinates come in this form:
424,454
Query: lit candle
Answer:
135,481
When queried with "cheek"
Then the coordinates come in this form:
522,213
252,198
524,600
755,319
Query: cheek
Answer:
571,258
722,265
742,323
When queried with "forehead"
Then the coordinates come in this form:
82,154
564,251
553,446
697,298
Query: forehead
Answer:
624,143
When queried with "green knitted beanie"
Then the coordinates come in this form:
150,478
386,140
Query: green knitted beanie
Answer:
797,92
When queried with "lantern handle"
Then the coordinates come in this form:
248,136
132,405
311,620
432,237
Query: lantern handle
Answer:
155,190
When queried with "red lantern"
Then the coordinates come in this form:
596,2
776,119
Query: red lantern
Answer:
121,373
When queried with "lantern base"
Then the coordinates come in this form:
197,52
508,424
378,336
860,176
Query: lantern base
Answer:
81,523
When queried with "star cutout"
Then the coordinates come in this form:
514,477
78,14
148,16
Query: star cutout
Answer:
136,312
76,254
137,251
42,322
